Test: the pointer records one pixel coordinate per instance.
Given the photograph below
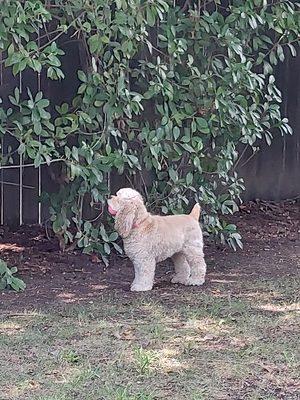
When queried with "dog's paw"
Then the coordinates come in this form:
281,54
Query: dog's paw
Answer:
180,279
135,287
196,281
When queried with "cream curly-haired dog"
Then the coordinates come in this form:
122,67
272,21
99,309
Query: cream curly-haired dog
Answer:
149,239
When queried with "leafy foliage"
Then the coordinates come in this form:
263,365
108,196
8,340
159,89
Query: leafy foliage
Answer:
171,89
7,278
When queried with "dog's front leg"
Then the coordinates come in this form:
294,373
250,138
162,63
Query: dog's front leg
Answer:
144,275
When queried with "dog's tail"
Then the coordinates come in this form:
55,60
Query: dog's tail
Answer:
195,213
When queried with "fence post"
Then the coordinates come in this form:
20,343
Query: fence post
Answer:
2,153
39,168
20,171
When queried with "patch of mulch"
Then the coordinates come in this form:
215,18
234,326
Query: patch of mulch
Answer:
271,235
267,221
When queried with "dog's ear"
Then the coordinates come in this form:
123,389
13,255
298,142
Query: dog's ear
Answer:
125,219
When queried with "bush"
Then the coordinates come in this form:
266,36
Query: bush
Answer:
7,278
175,90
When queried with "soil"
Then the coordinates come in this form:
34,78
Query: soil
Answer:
271,236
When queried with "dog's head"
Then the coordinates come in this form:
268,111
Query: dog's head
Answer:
128,209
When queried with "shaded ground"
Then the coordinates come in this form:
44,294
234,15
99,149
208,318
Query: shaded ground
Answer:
78,333
271,234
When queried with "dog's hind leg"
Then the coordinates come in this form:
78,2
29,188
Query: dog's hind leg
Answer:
182,269
195,258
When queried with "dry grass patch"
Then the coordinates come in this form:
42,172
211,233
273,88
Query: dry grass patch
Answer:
238,342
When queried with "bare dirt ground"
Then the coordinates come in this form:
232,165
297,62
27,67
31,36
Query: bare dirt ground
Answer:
271,236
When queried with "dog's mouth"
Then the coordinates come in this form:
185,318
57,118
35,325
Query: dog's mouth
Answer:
112,211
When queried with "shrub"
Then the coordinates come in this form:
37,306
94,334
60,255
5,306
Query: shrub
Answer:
7,278
172,89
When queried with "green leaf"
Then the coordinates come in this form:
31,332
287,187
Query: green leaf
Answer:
17,284
81,76
75,153
17,94
202,125
113,236
94,43
150,16
173,175
164,120
64,108
37,160
164,209
37,127
21,148
252,22
119,4
293,50
189,178
105,39
188,148
43,103
106,248
117,247
193,126
176,132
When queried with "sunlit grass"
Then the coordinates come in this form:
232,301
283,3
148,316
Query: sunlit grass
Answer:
186,345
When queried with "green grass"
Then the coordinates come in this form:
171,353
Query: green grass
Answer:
238,341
